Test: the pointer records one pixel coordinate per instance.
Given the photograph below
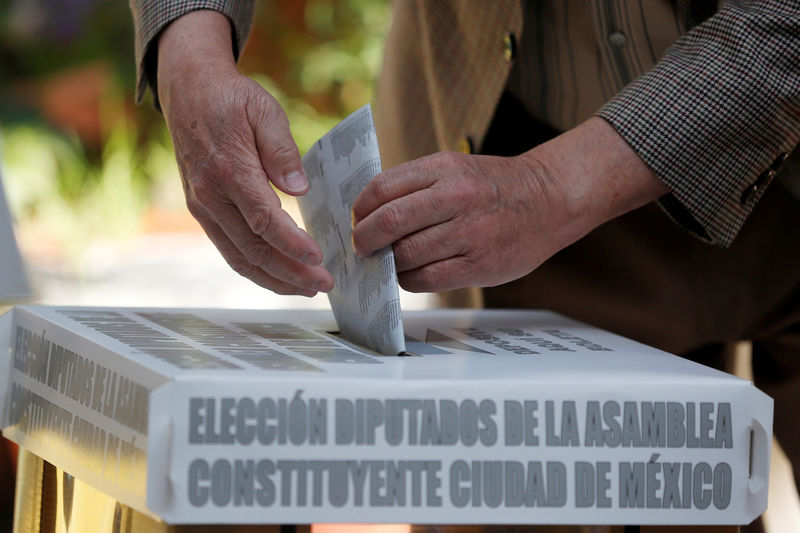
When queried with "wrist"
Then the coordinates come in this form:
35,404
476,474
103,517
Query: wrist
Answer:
197,44
597,175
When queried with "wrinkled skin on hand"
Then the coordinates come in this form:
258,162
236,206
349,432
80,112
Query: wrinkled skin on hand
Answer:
454,220
232,140
458,220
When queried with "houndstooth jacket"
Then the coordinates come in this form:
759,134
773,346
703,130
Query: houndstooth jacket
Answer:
708,96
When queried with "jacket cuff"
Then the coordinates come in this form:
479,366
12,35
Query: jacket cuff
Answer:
150,17
717,115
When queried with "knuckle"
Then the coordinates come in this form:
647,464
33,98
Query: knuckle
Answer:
260,221
257,253
450,159
390,218
218,158
437,201
463,245
243,269
203,193
380,184
407,252
271,111
281,153
462,192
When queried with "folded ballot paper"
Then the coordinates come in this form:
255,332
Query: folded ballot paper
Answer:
365,299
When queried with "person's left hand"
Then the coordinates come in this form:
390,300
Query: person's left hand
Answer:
459,220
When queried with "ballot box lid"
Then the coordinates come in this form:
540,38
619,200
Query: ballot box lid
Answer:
442,344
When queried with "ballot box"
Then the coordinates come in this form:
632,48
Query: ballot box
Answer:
186,417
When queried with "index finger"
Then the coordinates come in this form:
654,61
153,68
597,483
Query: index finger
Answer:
261,209
392,184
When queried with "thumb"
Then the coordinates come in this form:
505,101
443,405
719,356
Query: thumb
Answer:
278,153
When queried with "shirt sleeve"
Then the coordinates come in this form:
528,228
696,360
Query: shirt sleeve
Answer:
716,117
150,17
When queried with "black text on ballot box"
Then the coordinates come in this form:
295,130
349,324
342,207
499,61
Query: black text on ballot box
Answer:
209,416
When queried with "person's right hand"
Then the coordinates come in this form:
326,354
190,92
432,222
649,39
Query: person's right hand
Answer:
231,140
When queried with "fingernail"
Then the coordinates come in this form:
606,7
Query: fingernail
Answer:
353,245
296,182
310,294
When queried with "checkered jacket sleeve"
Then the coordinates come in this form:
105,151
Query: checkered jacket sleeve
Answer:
717,114
150,17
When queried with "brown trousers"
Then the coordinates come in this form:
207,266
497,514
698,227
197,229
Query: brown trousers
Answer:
644,277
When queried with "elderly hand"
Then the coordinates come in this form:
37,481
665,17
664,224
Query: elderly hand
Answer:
458,220
231,140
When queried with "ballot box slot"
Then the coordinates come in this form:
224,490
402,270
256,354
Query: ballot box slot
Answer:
337,335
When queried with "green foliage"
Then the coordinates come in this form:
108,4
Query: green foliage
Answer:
326,52
53,188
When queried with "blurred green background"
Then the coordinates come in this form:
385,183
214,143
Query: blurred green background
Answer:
81,162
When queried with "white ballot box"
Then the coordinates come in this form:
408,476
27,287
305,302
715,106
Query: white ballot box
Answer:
492,417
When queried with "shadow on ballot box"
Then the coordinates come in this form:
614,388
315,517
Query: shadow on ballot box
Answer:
48,500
